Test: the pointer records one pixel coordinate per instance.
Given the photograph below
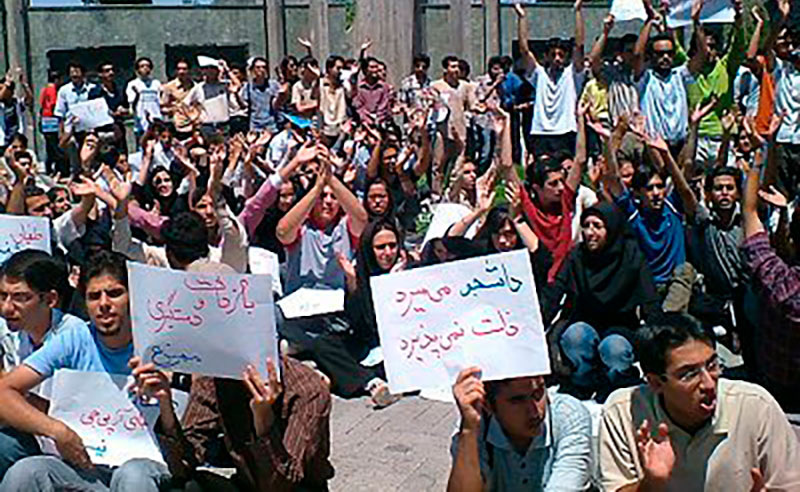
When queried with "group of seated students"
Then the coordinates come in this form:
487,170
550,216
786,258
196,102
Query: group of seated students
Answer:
655,239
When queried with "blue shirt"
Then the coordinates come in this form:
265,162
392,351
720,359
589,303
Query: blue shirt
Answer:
558,459
15,346
80,349
660,234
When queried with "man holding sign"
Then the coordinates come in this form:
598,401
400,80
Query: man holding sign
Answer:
107,346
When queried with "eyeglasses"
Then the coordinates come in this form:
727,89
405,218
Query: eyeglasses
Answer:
159,181
660,53
692,375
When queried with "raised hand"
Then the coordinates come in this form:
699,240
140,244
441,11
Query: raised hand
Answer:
608,24
305,42
785,8
347,267
697,8
366,44
89,149
83,187
701,111
656,453
519,10
470,396
773,197
263,396
150,382
756,13
513,198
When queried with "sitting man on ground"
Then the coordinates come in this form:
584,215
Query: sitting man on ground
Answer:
105,346
687,429
514,436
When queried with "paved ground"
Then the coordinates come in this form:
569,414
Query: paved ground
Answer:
402,447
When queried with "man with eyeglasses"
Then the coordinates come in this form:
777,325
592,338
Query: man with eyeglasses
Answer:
687,429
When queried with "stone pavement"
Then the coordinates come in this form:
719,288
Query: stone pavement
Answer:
403,447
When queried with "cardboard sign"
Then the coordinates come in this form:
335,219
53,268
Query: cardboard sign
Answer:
20,232
91,114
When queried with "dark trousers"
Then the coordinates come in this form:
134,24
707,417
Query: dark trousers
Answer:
788,156
326,340
56,161
551,144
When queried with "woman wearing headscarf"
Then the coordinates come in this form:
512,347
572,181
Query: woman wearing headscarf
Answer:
607,290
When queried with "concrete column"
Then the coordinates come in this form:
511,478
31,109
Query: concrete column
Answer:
390,26
276,38
318,24
492,19
15,46
459,15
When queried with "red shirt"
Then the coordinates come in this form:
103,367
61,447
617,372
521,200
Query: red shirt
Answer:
553,230
47,99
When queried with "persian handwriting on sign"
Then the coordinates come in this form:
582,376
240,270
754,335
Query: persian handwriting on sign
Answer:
504,280
437,344
165,357
20,233
165,311
128,419
436,297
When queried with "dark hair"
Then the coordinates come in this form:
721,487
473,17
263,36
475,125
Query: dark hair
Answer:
22,154
331,62
390,208
76,64
41,271
558,43
308,61
258,59
464,68
53,75
183,60
658,38
104,262
644,173
185,237
143,59
371,59
711,33
718,171
422,58
495,220
285,63
103,64
663,333
495,60
197,195
52,193
367,264
447,60
22,139
507,62
537,173
32,190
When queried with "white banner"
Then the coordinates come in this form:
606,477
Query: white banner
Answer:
19,232
625,10
91,114
202,323
435,321
114,426
714,12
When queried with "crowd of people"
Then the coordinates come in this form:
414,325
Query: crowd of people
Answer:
654,183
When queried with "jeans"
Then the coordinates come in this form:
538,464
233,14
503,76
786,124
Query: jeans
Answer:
50,473
485,148
15,445
582,346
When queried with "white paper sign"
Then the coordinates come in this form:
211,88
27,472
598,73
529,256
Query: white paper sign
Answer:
311,302
714,12
91,114
202,323
625,10
445,215
263,261
435,321
113,425
20,232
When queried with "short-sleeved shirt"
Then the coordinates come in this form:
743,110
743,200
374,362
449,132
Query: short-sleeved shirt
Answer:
558,458
172,93
304,94
259,99
47,99
623,95
787,100
69,95
15,346
147,95
748,430
311,259
660,234
79,348
556,99
663,102
715,250
459,100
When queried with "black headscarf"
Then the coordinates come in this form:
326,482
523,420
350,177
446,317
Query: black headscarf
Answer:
606,286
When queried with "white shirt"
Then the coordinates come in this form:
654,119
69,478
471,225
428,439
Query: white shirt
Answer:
663,101
147,95
214,98
556,100
787,99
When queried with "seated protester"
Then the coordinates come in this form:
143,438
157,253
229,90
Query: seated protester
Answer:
380,251
277,434
448,248
401,169
221,229
514,436
378,200
653,216
105,346
462,189
687,429
60,201
777,339
33,287
289,194
314,232
608,287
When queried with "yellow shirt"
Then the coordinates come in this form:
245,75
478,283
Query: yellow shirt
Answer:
596,95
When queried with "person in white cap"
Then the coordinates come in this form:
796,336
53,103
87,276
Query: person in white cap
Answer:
211,96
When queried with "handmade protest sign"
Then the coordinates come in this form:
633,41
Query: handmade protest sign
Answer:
444,216
435,321
202,323
113,424
19,232
91,114
625,10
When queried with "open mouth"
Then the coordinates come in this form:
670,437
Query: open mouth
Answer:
708,404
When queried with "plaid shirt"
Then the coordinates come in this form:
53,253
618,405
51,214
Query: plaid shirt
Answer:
294,454
778,336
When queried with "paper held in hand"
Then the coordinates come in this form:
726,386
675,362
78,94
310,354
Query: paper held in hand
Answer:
112,424
202,323
91,114
435,321
680,11
20,232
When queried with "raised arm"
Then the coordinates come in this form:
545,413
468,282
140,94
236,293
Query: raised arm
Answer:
576,172
289,226
698,59
596,55
613,181
755,40
580,37
777,25
352,206
640,49
529,61
752,223
688,197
